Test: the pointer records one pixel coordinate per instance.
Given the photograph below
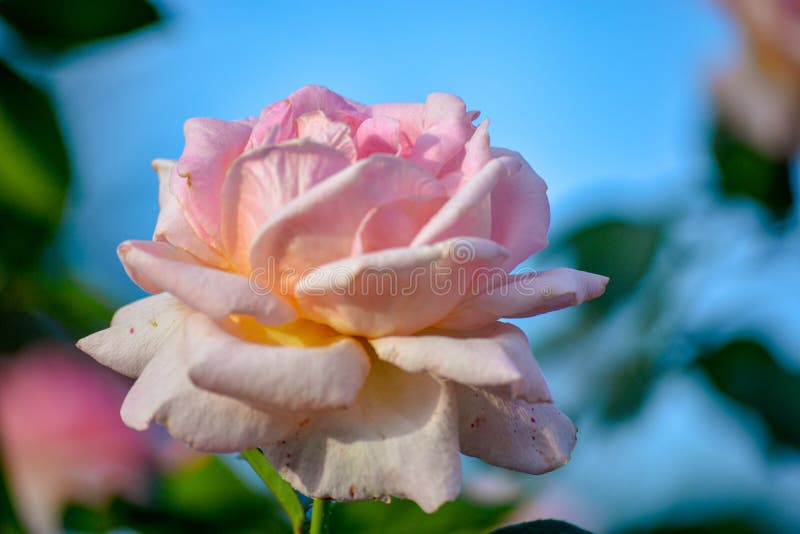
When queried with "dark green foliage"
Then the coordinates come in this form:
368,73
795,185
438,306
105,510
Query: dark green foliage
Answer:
745,171
746,372
542,526
57,25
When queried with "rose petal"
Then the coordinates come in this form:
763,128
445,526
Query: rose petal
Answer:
262,181
211,146
172,226
303,236
408,114
381,134
157,267
468,212
532,438
274,376
498,354
136,333
446,128
398,439
520,210
395,224
317,127
206,421
525,295
396,291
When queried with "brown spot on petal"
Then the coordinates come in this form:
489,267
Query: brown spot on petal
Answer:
353,490
131,330
533,420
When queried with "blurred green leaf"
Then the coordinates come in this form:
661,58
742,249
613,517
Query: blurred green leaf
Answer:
34,172
745,171
203,497
628,388
618,249
56,25
542,526
745,371
402,516
9,524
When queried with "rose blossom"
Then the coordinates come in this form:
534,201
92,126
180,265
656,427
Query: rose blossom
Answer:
760,98
353,388
61,437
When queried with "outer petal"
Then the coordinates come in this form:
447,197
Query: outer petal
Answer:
136,333
532,438
211,146
397,291
525,295
157,267
172,226
398,439
520,211
274,377
468,212
262,181
302,236
493,356
206,421
395,224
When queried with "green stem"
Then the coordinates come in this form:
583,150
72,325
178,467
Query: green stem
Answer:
317,516
283,492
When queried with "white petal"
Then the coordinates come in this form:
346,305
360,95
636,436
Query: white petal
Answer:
274,376
532,438
398,439
498,354
206,421
136,333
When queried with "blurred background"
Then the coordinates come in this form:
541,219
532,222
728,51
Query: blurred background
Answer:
667,132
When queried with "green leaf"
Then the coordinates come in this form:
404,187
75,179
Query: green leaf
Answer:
34,172
714,526
618,249
9,524
745,171
57,25
745,371
541,526
628,388
402,516
281,489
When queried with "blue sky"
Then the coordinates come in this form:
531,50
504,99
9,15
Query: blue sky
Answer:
587,91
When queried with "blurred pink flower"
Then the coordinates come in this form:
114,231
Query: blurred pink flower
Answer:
62,440
329,280
760,98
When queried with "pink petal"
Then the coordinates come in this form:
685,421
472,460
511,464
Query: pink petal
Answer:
262,181
273,377
319,226
398,439
532,438
468,212
381,134
211,146
395,224
396,291
277,121
204,420
317,127
157,267
408,114
136,333
172,226
520,211
446,128
525,295
496,355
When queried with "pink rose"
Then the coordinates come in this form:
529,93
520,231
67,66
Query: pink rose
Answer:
329,279
61,436
760,97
